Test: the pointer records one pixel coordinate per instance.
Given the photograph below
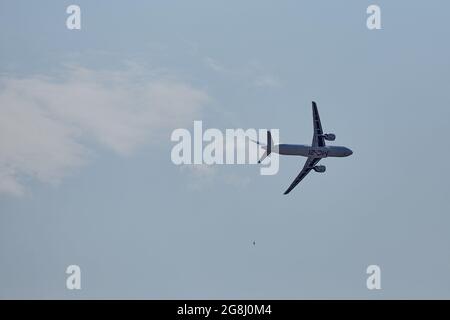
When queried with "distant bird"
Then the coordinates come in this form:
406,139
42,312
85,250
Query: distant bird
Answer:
254,242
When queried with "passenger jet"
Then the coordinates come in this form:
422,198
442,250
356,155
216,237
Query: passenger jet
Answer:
314,152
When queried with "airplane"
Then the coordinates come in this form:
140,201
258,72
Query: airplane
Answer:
314,152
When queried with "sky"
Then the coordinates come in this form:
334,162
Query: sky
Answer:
86,176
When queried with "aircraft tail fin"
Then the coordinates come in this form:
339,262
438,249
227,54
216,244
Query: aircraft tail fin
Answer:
269,143
267,147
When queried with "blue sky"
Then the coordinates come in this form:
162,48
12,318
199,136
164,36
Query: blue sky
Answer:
86,176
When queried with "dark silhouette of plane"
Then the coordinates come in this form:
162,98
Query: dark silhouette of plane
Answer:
314,152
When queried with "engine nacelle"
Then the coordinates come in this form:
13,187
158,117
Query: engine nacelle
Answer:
320,169
329,136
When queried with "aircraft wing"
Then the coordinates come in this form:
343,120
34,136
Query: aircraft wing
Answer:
309,164
318,140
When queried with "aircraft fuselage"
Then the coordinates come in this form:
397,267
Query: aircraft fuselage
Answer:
309,151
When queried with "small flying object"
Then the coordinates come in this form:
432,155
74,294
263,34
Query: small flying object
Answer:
314,152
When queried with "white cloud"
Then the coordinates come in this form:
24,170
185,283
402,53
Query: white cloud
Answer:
202,176
215,65
252,73
49,124
267,81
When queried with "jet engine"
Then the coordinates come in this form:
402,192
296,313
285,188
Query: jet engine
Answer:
320,169
329,136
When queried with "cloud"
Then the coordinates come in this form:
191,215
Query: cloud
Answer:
202,176
267,81
50,125
215,65
252,73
